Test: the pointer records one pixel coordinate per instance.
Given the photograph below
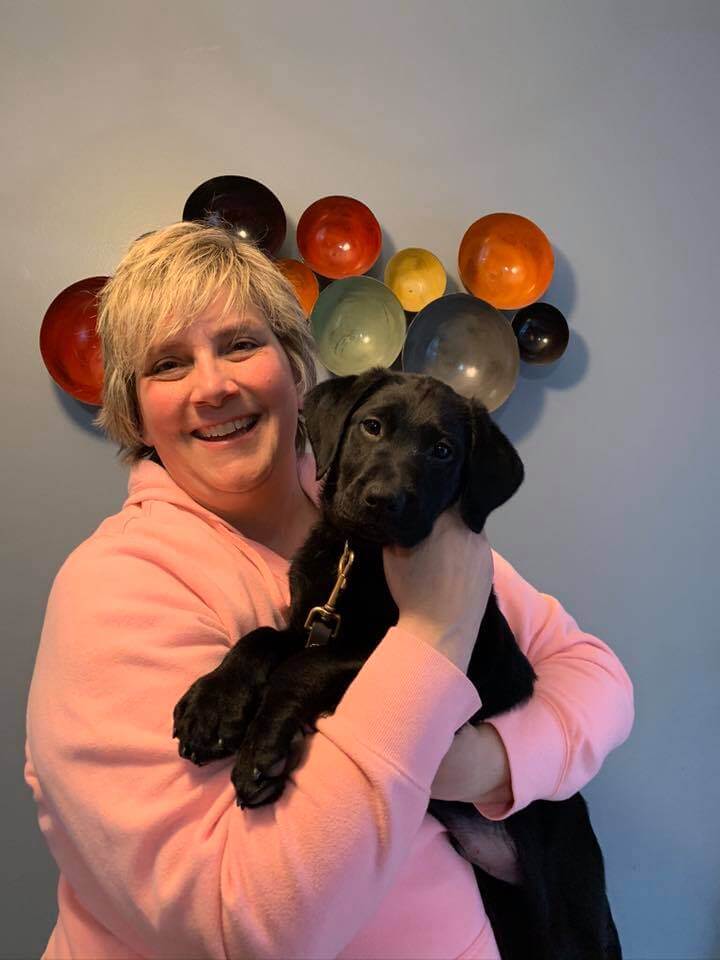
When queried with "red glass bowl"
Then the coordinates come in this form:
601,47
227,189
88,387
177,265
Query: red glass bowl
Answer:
339,237
69,345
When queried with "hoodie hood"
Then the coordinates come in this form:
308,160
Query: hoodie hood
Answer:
149,482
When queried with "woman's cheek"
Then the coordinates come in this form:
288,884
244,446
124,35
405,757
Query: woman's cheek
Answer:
158,406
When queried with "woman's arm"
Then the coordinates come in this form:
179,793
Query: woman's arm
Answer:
553,745
155,849
475,769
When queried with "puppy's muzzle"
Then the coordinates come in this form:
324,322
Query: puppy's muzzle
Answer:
389,514
381,503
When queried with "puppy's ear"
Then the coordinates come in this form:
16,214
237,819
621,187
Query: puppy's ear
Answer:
493,469
329,406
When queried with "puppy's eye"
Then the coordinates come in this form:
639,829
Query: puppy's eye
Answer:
442,450
371,426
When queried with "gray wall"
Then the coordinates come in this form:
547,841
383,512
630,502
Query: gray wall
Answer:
597,120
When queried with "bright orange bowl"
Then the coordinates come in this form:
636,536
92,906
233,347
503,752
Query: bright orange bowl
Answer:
506,260
304,281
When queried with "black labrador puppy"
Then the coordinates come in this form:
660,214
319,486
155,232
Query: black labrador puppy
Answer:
396,450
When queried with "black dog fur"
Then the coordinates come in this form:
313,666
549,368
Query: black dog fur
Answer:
432,448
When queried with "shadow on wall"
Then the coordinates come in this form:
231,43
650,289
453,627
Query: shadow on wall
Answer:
389,249
523,409
289,248
562,292
81,414
518,416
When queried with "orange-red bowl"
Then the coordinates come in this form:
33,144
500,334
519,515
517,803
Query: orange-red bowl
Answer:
69,345
339,237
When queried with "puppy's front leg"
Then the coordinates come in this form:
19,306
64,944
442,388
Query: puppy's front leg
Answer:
503,675
212,716
305,687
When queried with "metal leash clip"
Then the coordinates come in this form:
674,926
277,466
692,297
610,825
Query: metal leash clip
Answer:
323,622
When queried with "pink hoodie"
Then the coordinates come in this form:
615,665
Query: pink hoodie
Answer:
155,858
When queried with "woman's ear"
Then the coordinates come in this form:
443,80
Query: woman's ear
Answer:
493,469
329,406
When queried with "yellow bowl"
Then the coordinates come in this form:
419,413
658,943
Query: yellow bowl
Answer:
416,277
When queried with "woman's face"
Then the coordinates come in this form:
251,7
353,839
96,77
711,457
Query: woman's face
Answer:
220,405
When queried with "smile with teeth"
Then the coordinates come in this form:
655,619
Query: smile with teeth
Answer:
223,430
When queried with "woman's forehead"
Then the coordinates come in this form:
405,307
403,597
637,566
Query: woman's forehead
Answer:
215,320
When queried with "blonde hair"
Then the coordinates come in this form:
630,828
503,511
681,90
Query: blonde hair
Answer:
164,281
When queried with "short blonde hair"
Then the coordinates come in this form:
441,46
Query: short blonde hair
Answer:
164,281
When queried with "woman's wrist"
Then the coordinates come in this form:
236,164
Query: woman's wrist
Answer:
475,769
449,640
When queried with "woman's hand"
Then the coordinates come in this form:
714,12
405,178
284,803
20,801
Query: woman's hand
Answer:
475,770
442,585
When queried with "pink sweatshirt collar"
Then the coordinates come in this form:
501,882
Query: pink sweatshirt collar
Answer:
148,481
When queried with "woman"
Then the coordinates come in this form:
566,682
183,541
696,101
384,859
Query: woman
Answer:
207,358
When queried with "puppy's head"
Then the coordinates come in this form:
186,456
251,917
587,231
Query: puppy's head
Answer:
397,449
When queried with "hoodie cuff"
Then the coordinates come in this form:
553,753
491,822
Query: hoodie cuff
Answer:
406,704
537,750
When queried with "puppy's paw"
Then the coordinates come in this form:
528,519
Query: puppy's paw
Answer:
211,718
265,762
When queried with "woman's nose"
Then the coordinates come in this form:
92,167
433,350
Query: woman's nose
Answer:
213,382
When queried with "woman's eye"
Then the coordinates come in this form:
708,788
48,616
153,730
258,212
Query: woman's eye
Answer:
242,345
371,426
164,366
442,450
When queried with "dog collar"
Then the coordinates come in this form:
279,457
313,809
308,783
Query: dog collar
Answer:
323,622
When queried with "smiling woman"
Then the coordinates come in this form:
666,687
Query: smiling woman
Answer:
200,331
164,283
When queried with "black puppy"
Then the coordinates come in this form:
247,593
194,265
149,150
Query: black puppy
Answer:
395,451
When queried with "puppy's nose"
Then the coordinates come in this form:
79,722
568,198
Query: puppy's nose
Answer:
384,501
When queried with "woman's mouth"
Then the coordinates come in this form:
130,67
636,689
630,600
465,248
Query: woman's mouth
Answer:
231,430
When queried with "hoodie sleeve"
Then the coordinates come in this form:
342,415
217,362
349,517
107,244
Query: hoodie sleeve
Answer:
581,708
155,848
